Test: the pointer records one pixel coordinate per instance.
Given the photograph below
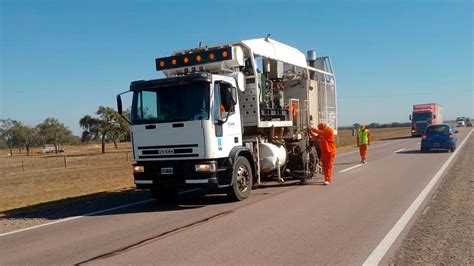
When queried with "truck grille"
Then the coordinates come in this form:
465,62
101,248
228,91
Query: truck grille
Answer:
167,151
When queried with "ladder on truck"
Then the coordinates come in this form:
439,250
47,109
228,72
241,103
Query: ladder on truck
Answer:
327,93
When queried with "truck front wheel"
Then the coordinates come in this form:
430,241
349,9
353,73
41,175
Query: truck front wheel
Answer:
241,180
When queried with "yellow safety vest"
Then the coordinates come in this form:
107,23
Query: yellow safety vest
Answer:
363,136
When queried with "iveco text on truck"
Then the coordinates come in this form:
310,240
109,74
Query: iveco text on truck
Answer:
230,117
424,115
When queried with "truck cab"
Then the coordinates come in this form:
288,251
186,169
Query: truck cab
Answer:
424,115
183,130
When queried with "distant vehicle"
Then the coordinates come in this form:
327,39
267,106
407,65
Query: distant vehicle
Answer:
51,148
460,122
424,115
468,122
440,136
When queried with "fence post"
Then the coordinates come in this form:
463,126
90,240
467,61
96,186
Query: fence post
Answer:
65,161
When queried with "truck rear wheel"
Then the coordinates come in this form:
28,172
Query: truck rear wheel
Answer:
164,194
241,180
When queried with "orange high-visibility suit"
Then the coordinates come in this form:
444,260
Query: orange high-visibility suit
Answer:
328,148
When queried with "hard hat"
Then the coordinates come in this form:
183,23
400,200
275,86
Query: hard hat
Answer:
321,126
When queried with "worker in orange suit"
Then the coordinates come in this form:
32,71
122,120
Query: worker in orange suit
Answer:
363,141
327,142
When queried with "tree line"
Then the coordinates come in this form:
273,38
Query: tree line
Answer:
104,125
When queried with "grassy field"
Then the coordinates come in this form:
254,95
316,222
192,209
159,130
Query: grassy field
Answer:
346,139
82,170
27,180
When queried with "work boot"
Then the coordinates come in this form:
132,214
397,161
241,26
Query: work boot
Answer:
327,183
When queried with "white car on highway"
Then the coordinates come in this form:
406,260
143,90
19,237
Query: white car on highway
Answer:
460,123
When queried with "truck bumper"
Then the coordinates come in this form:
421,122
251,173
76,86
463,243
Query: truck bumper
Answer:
182,174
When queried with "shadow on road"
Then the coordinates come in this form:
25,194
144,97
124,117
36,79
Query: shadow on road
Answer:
82,205
91,204
419,151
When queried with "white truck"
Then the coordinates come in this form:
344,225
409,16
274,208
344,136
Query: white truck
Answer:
230,117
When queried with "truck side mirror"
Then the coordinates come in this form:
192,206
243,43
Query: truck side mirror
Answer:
234,95
120,108
119,104
409,117
434,116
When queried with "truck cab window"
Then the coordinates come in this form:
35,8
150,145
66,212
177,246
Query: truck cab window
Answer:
146,106
217,106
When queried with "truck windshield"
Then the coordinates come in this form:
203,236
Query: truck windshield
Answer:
171,104
421,116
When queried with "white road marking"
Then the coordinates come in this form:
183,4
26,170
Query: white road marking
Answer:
191,190
197,181
350,168
76,217
373,147
148,182
379,252
399,150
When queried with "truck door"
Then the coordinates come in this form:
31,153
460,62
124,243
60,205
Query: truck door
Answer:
227,115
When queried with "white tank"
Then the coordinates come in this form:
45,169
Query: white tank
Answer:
270,155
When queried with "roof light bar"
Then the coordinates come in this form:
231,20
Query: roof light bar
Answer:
197,58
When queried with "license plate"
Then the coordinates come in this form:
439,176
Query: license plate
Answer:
167,170
435,144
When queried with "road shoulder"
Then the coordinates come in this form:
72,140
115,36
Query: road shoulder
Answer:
444,231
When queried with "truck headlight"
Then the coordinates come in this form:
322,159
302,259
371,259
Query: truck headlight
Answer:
206,167
138,169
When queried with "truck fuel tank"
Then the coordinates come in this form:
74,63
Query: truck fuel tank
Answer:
271,156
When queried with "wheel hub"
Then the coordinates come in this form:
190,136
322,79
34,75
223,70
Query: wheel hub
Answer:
243,179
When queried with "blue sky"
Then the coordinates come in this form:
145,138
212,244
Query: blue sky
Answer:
63,59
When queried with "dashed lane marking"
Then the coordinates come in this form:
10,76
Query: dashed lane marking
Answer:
400,150
350,168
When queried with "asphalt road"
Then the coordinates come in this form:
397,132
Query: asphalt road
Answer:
314,224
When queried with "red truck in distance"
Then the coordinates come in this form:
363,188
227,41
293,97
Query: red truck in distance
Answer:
424,115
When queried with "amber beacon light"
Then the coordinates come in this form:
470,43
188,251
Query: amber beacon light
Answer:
181,60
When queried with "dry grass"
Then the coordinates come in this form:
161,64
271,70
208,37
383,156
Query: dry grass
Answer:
345,137
38,187
74,156
28,180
